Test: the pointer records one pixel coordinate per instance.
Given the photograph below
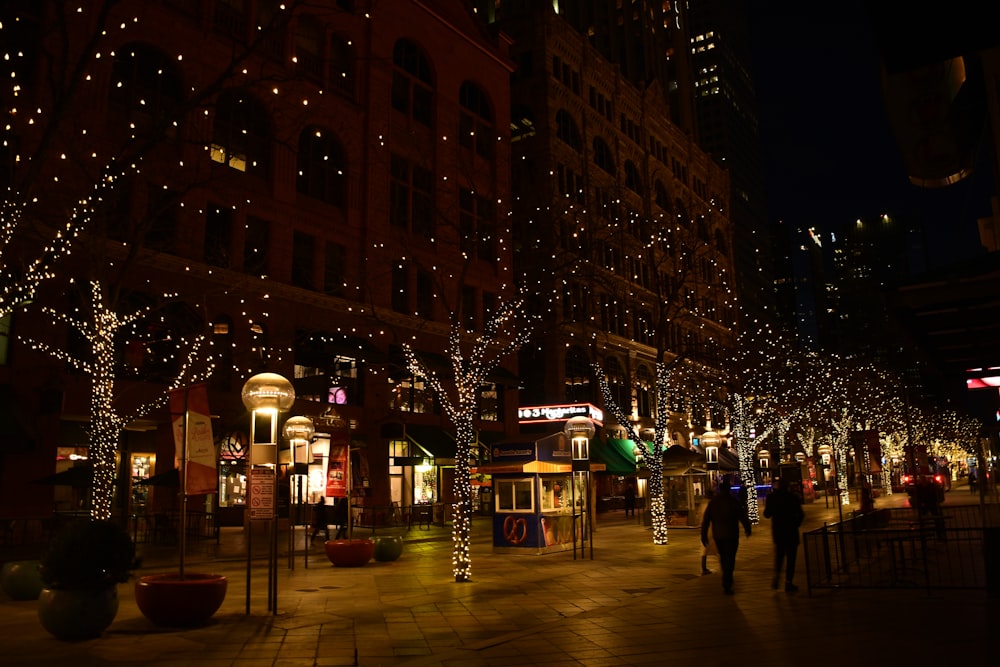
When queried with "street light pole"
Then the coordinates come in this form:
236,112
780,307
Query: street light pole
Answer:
580,430
265,395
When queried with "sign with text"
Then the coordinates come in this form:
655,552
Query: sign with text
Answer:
336,466
261,500
550,413
193,440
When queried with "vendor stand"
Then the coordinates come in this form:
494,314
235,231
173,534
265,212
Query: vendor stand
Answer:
535,501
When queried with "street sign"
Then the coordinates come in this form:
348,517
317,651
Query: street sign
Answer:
261,500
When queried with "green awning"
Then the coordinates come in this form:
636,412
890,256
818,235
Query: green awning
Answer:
616,454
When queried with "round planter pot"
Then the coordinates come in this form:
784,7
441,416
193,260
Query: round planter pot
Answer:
350,553
21,580
73,615
388,548
166,599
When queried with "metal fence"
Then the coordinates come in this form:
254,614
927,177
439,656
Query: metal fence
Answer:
901,548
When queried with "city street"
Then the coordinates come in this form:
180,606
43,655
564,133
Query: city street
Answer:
634,603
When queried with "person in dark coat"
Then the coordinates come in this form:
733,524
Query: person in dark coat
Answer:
629,499
723,515
319,519
340,518
784,509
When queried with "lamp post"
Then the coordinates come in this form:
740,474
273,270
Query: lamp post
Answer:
265,395
579,431
710,443
299,432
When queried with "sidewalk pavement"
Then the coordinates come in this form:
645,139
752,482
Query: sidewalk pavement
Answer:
634,603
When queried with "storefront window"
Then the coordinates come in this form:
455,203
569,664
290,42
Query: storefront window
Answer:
424,484
232,484
514,495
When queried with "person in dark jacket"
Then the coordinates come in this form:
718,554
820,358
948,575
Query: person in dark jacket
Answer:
724,515
784,509
340,518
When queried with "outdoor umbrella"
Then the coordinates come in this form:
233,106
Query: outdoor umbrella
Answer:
167,478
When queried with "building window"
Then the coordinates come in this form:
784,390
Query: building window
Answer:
400,297
341,63
309,48
146,91
161,221
241,134
321,167
222,346
603,157
477,219
644,391
618,384
632,179
475,124
333,268
568,131
412,84
255,246
515,495
410,197
303,260
218,236
490,402
425,294
577,376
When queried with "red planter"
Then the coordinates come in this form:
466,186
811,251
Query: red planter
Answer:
166,599
350,553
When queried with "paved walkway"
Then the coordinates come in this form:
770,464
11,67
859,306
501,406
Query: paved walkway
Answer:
632,604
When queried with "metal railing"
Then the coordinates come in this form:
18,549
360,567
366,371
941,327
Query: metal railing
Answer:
901,548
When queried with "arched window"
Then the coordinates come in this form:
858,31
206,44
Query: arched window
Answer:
146,90
412,83
241,134
577,376
662,198
475,122
644,383
603,157
632,179
567,130
322,169
618,384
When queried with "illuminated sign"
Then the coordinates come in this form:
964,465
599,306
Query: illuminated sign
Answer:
552,413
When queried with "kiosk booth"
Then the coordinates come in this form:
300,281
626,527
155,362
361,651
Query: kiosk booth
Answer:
537,506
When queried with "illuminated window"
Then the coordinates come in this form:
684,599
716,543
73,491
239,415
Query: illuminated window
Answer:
514,495
241,134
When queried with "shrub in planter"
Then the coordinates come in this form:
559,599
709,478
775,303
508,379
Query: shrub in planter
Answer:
21,580
80,569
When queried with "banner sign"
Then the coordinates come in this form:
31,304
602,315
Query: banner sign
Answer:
200,449
336,466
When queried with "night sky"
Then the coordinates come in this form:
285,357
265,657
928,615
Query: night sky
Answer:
829,151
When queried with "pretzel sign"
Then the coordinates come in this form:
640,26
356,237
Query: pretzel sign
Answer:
515,529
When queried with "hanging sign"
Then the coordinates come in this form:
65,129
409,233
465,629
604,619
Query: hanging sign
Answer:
336,467
199,450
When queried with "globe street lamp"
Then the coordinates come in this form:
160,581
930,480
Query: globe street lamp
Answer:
298,432
579,431
265,395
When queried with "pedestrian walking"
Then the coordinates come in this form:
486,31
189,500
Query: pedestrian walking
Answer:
784,509
319,520
629,499
340,518
709,548
724,515
972,481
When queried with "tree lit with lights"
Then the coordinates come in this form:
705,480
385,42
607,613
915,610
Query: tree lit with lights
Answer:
473,357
